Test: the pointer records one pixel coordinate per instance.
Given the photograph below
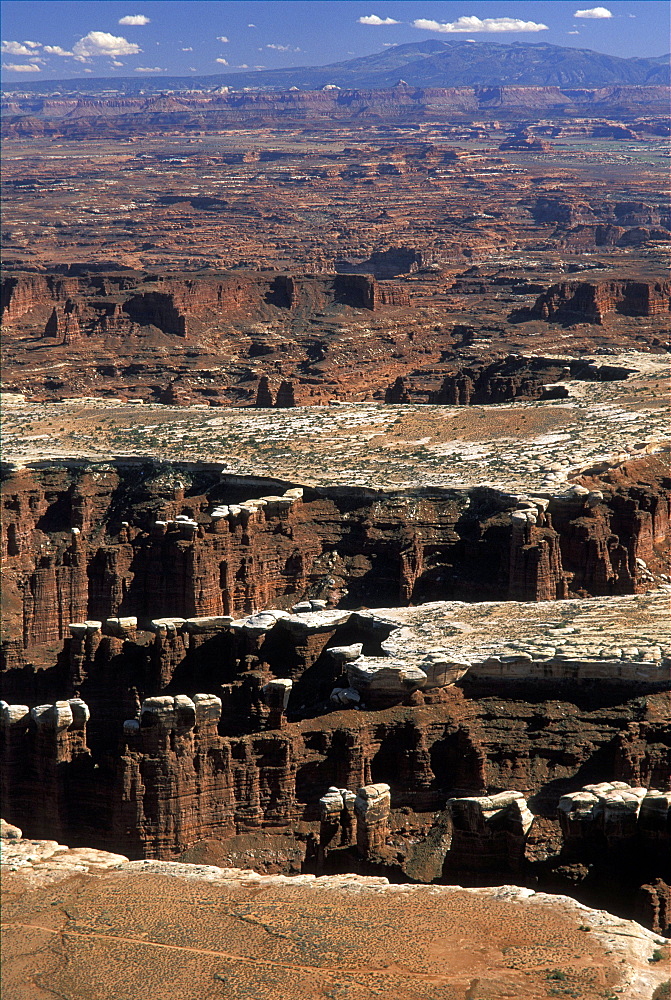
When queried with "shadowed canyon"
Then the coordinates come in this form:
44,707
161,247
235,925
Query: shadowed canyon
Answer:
335,539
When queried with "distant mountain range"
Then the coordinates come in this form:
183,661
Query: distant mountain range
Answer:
419,64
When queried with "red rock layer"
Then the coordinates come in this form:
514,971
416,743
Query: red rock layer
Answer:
156,786
89,542
590,302
325,108
653,906
112,304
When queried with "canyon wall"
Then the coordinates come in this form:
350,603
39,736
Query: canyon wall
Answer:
590,302
84,541
111,304
270,338
82,117
164,779
139,758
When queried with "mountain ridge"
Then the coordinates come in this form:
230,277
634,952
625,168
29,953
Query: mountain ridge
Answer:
429,63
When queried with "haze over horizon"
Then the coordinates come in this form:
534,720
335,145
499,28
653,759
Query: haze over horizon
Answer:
62,39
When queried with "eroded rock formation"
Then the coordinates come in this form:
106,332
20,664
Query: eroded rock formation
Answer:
612,815
89,542
488,833
514,377
590,302
268,338
114,304
147,763
190,665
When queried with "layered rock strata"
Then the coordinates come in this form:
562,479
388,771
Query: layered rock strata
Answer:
82,118
158,765
488,833
114,304
590,302
85,542
371,807
612,815
268,338
338,821
347,818
612,826
515,377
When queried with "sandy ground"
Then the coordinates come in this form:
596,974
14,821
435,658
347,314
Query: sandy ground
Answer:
517,446
176,932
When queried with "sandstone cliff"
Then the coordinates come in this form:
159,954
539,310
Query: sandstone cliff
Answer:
590,302
112,304
83,541
141,760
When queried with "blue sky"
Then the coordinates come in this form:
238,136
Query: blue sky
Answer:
49,39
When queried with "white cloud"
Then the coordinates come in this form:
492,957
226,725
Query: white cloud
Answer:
189,48
21,67
374,19
222,38
251,25
572,32
37,59
595,12
224,62
149,69
242,66
468,24
16,49
56,50
134,19
115,62
278,48
32,45
101,43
